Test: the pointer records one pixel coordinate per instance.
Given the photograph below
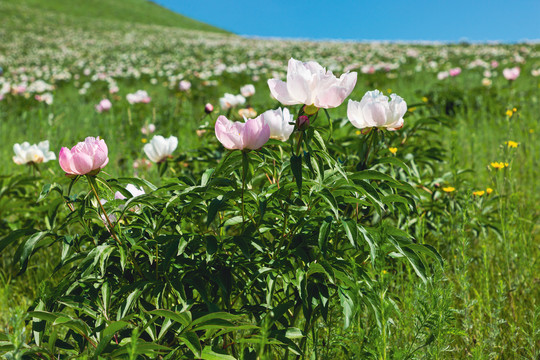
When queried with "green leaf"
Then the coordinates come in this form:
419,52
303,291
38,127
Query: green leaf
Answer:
209,354
192,342
183,318
324,232
296,167
47,188
108,334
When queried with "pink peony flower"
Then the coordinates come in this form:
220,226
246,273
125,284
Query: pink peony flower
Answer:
511,73
454,71
252,134
184,85
85,158
311,84
104,105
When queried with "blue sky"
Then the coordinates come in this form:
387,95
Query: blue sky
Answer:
473,20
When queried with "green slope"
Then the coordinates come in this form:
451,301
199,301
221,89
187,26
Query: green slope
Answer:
131,11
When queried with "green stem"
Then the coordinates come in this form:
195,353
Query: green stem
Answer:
111,231
299,142
91,181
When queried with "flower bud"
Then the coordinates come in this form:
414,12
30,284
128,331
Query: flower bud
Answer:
302,123
208,108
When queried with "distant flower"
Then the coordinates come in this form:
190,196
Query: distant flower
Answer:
26,153
184,85
443,75
104,105
87,157
247,90
311,84
486,82
140,96
252,134
499,165
148,129
47,98
511,73
489,190
279,122
494,64
374,110
393,150
159,148
478,193
229,100
509,113
511,144
247,113
142,163
454,72
448,189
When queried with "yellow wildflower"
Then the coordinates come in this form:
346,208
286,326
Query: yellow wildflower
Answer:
144,140
448,189
412,109
514,109
499,165
511,144
478,193
509,113
393,150
425,99
531,131
489,191
358,132
389,91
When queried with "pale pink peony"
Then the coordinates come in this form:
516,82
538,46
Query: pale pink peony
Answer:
252,134
311,84
87,157
104,105
454,71
511,73
374,110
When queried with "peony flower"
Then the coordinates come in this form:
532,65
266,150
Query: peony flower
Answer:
140,96
184,85
311,84
454,71
87,157
251,134
279,122
443,75
374,110
229,100
47,98
26,153
511,73
159,148
104,105
247,90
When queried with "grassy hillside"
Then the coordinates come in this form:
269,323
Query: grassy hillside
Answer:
131,11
